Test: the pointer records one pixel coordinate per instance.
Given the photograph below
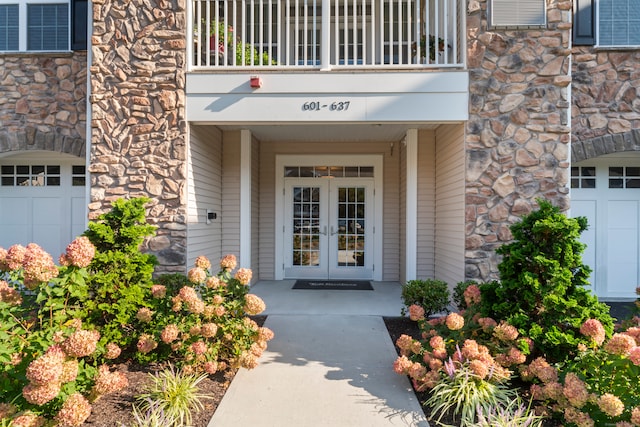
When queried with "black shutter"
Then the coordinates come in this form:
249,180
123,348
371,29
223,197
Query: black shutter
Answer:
79,24
584,23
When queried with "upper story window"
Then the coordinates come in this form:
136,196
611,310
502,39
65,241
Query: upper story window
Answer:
606,23
42,25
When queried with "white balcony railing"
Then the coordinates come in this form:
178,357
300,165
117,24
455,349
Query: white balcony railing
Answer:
327,34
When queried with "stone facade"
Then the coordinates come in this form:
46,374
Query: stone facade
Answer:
605,116
138,127
43,102
517,137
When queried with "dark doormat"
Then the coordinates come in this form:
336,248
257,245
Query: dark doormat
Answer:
353,285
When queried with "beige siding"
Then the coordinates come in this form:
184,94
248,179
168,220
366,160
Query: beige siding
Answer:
255,207
231,193
391,210
204,192
426,205
449,195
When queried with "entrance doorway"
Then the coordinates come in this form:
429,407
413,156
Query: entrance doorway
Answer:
328,228
329,217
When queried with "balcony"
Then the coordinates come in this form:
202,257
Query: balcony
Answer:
326,34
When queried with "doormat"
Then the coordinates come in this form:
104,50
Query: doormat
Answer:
353,285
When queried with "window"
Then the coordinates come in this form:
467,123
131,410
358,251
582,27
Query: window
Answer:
624,177
43,25
583,177
616,22
9,33
29,176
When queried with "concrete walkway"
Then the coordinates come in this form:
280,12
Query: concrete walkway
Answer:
330,364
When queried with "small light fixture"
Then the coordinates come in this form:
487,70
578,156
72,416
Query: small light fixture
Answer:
255,82
211,216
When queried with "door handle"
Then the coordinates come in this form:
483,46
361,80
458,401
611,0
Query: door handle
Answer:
324,230
333,232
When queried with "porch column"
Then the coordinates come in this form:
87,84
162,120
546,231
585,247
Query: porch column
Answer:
325,29
245,198
411,209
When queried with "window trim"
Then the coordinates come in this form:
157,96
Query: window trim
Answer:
23,23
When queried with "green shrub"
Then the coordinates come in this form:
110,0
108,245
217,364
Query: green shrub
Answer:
121,275
542,283
430,294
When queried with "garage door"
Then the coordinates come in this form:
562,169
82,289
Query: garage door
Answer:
42,200
607,192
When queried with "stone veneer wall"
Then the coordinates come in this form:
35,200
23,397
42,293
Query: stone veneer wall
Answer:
43,102
138,117
517,137
606,104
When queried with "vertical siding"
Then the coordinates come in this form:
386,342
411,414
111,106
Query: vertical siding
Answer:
255,207
204,168
231,193
426,205
391,210
449,196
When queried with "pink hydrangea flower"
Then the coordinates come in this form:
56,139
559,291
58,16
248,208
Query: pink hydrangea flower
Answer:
14,257
248,360
197,275
593,329
210,367
436,342
610,405
74,412
479,369
243,275
47,368
41,394
487,323
416,312
454,321
203,262
404,342
575,390
228,263
158,291
3,259
401,365
253,304
634,356
209,330
199,347
144,315
81,343
108,382
505,332
9,295
541,369
620,344
472,295
69,371
635,416
213,282
79,253
265,334
112,351
7,410
146,343
169,333
38,266
28,419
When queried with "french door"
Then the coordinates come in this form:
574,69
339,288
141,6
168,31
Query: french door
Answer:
328,228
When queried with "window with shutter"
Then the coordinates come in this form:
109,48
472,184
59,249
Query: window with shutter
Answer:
39,25
517,13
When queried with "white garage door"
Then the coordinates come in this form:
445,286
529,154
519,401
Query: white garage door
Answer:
607,191
42,200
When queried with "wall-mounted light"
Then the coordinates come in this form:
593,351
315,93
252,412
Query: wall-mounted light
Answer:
211,215
255,82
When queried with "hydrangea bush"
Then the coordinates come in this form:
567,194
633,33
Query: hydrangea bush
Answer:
61,325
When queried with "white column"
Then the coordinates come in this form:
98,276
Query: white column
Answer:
245,198
411,230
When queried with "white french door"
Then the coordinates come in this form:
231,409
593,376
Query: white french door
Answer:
328,228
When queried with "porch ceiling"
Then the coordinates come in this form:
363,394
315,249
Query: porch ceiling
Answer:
330,132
